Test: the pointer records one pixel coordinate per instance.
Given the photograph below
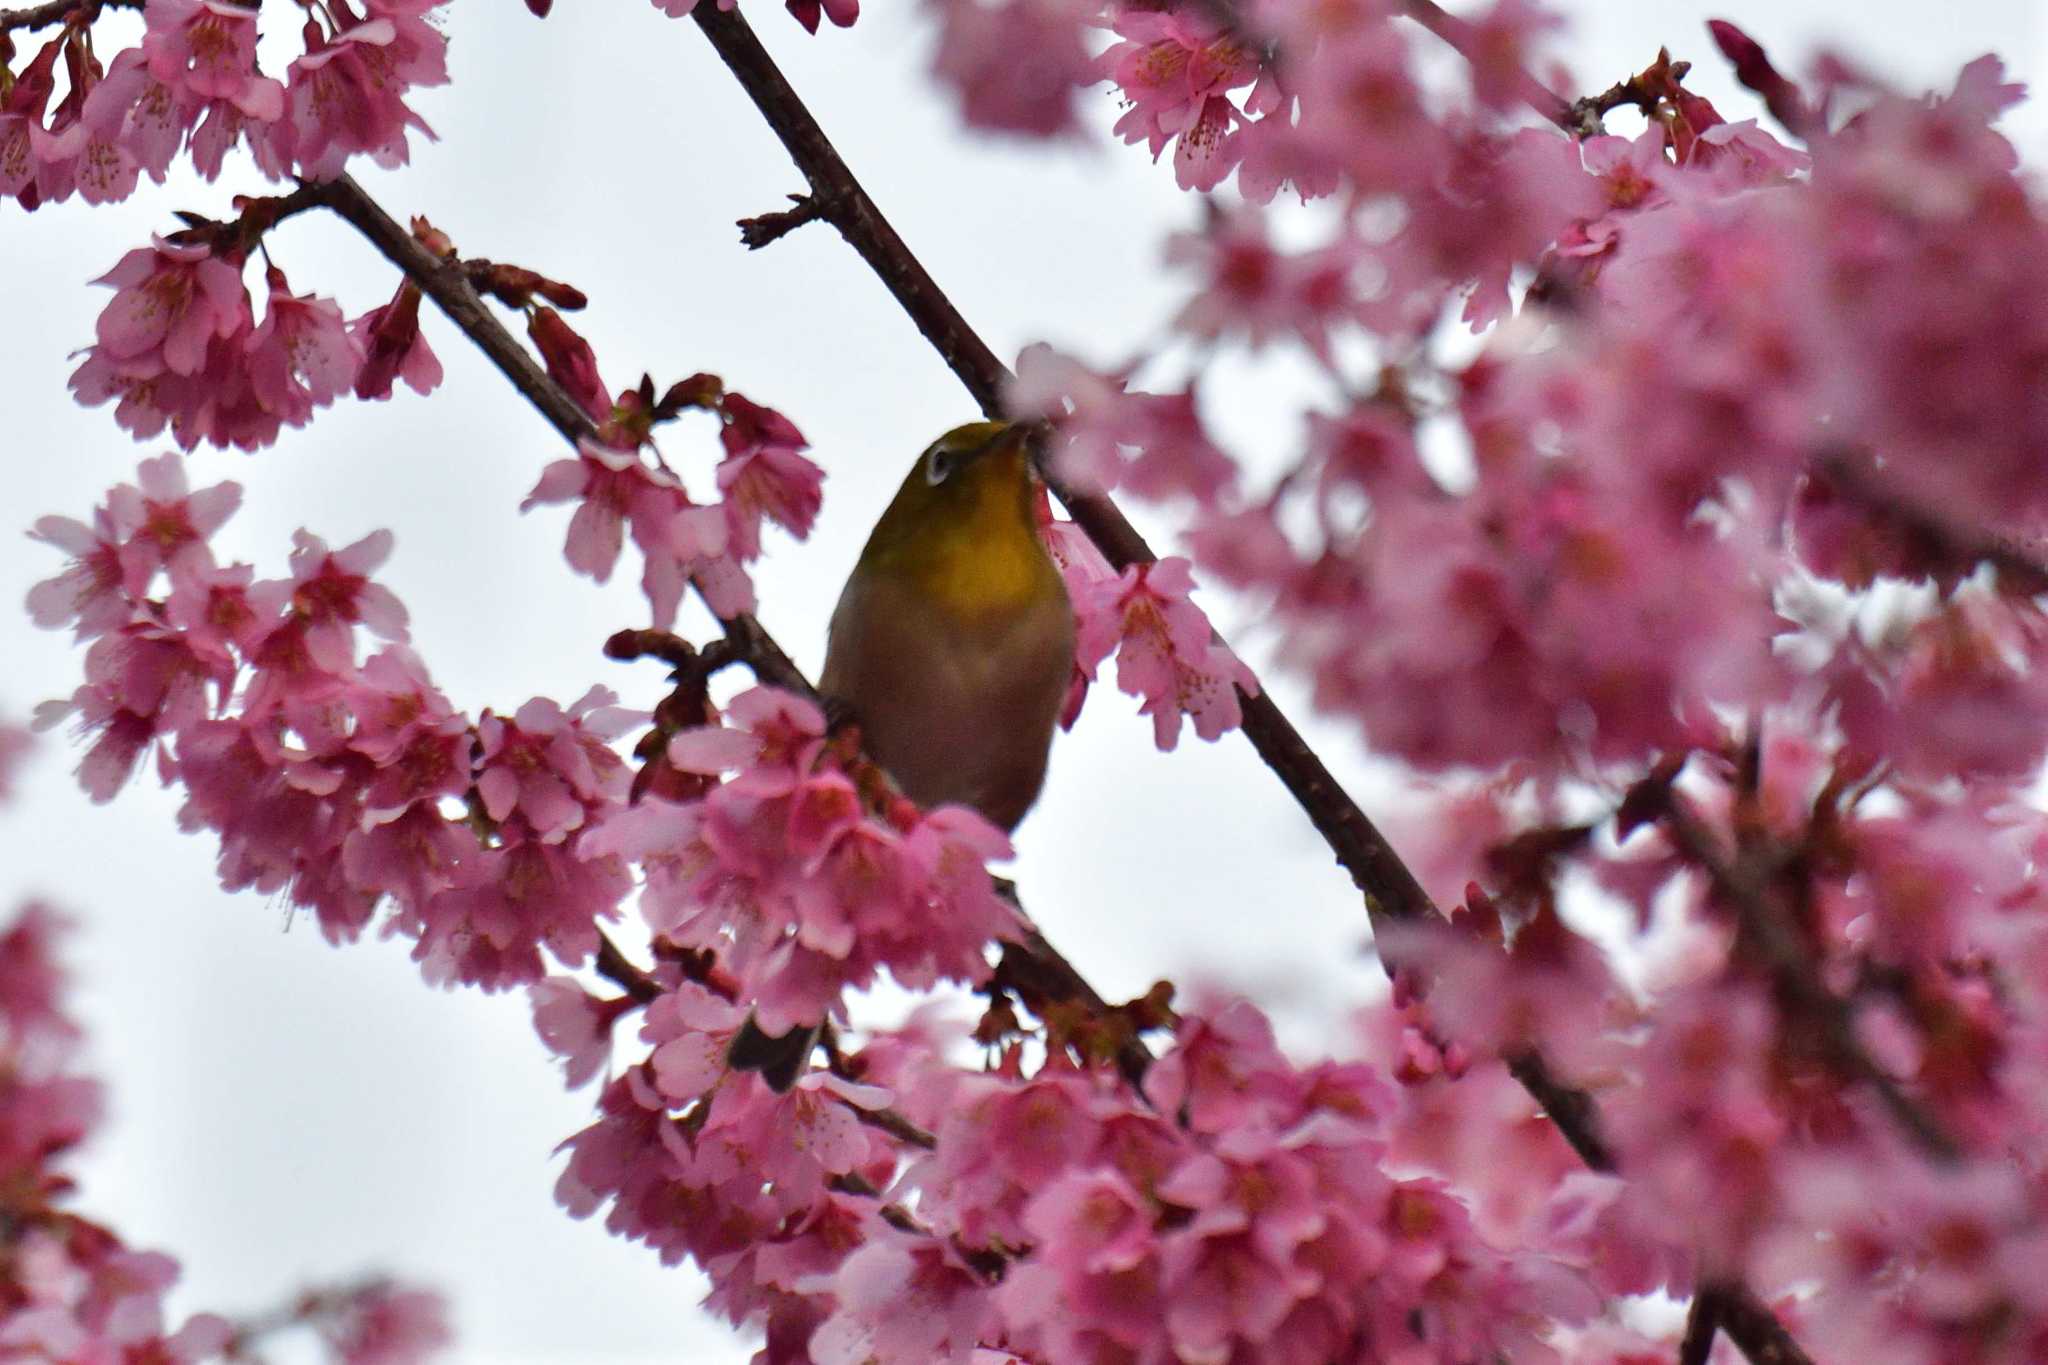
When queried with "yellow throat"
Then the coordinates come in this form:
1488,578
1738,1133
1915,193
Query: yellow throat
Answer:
962,530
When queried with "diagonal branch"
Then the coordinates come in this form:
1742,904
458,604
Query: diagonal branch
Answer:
1926,532
1390,888
1702,1321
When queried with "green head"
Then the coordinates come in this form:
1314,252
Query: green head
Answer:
975,483
963,525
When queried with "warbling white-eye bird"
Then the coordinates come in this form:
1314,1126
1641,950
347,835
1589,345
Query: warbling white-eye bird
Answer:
952,648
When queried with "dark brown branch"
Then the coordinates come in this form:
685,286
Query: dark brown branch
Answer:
1567,1106
841,201
57,11
1390,887
1749,1322
613,966
984,1261
1702,1321
1765,927
1929,536
1040,976
896,1126
448,286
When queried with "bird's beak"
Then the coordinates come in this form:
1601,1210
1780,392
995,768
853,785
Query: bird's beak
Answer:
1017,442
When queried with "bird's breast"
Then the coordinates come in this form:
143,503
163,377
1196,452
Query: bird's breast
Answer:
957,694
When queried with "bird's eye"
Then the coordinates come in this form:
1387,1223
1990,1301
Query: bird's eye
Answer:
937,465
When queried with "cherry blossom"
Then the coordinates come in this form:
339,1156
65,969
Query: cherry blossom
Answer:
201,50
1165,650
346,95
764,476
394,348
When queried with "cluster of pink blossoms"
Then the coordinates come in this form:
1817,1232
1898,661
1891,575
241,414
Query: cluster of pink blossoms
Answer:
180,346
1244,1208
193,84
335,782
621,484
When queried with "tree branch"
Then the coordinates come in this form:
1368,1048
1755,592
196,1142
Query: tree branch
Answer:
444,281
614,967
1571,1109
1702,1321
57,11
1753,1327
1363,851
1927,533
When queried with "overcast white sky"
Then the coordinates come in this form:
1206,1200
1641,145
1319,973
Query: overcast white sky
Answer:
285,1112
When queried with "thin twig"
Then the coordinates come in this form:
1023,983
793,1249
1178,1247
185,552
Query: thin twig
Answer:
57,11
1589,110
771,227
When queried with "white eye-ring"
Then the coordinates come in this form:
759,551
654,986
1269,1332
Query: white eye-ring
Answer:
937,465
